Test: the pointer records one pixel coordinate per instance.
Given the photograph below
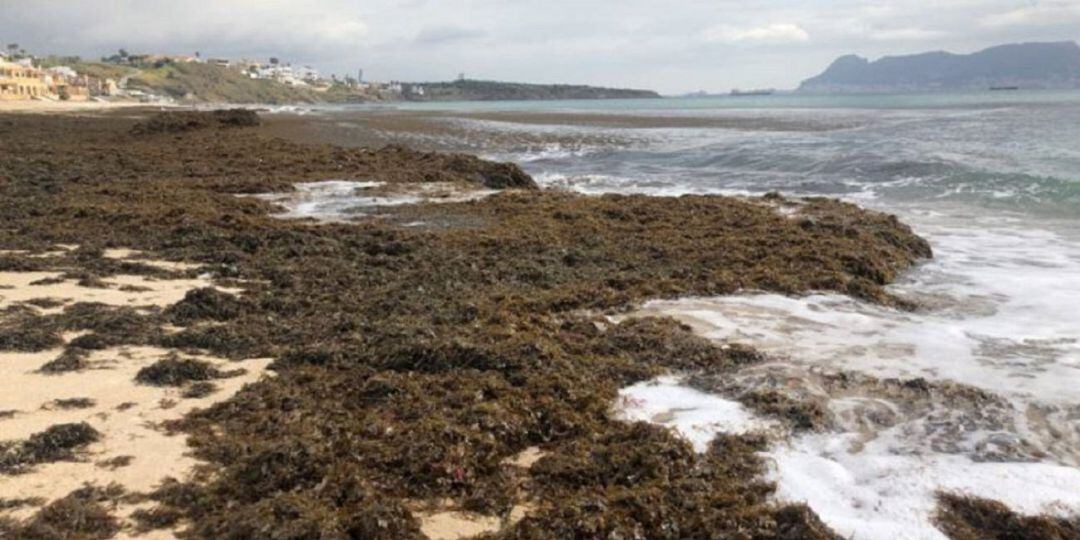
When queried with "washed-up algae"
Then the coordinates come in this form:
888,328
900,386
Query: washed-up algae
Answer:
20,331
176,371
962,517
84,514
57,443
71,403
180,121
411,362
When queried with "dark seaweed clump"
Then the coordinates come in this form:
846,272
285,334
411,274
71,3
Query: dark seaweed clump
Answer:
105,326
9,504
622,485
57,443
412,361
117,462
176,371
84,514
206,303
800,414
71,359
45,303
181,121
20,331
962,517
72,403
199,389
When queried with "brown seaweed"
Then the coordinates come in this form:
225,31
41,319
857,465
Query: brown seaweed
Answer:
963,517
412,361
176,371
57,443
84,514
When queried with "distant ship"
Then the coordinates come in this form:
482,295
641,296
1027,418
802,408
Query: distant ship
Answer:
738,92
1000,88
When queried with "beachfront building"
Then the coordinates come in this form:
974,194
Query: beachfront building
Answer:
306,73
284,74
102,86
67,84
21,81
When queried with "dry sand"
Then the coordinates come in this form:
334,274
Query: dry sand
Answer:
35,106
127,414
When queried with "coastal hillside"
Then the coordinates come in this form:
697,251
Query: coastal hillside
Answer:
1024,65
210,83
183,79
470,90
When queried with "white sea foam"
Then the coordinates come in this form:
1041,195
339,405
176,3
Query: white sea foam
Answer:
999,314
873,493
863,489
598,184
696,415
334,200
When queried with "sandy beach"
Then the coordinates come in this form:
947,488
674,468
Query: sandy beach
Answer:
54,107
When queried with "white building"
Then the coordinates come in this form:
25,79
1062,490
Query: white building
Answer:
63,72
306,73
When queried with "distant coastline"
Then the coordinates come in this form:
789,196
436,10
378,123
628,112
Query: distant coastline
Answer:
472,90
1004,67
185,80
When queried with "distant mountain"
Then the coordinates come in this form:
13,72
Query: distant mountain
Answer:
1023,65
471,90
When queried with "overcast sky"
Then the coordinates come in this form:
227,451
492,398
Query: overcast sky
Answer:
668,45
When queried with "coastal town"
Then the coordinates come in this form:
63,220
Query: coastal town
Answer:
32,81
127,77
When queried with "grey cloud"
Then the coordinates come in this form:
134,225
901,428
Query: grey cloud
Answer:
673,46
441,35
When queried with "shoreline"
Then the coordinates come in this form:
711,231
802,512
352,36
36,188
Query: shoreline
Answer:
433,362
59,107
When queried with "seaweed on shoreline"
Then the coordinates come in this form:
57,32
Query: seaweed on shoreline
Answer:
84,514
412,361
19,331
181,121
176,371
963,517
57,443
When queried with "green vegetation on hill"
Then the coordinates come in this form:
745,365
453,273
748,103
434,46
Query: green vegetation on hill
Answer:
470,90
206,82
94,69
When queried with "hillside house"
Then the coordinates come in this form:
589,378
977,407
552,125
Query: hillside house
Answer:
22,81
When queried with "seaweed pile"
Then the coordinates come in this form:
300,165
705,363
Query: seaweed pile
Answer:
84,514
412,362
968,518
177,122
59,442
